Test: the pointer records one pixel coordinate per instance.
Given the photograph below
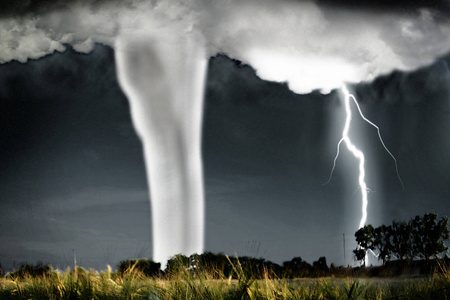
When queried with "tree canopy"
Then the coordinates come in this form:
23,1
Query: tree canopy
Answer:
419,238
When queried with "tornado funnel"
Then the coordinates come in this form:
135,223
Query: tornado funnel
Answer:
163,79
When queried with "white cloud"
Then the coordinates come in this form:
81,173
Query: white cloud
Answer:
21,40
34,36
285,40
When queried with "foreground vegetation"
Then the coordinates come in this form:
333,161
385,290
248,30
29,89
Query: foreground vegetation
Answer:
132,283
413,268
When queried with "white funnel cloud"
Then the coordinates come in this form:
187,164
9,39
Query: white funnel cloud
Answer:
163,79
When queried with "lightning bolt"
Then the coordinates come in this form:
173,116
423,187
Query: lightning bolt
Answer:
357,153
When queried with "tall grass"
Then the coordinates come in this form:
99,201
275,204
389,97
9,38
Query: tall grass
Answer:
192,284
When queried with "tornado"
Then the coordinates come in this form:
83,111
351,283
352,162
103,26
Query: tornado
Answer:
163,78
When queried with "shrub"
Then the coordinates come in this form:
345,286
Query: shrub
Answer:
146,267
28,270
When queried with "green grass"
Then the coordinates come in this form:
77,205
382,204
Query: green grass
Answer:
187,284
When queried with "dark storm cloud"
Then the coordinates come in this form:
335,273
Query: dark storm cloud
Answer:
412,111
381,6
47,100
13,8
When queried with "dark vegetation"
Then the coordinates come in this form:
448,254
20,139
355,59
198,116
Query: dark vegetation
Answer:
29,270
221,266
146,267
411,250
406,248
179,282
421,238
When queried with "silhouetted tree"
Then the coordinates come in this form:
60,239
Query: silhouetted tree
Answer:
321,263
429,235
422,237
28,270
216,265
273,269
252,267
360,255
382,242
320,266
364,237
178,263
2,272
296,267
402,240
365,240
147,267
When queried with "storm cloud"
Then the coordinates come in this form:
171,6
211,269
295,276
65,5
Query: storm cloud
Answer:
310,45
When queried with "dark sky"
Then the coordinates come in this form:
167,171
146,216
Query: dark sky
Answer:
12,7
72,174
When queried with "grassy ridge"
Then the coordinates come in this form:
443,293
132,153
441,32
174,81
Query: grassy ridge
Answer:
185,284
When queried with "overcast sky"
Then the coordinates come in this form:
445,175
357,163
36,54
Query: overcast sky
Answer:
72,170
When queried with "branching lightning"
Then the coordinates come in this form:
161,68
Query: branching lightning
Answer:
357,152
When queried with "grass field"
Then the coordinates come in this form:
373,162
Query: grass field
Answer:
186,284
